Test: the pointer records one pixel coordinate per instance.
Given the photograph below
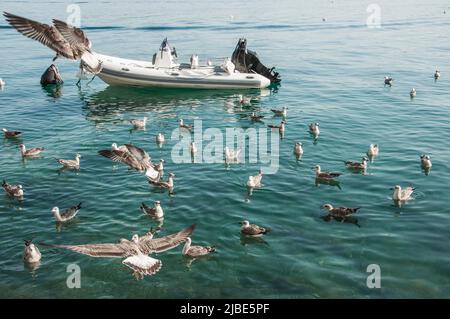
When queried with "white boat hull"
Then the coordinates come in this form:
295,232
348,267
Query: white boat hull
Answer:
124,72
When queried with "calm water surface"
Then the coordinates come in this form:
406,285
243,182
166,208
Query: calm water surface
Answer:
332,73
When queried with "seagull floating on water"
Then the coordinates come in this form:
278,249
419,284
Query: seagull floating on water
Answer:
139,123
357,165
154,212
402,194
31,152
160,166
135,251
425,161
185,126
31,253
11,134
160,138
2,84
196,251
282,112
232,156
413,92
388,80
255,181
340,211
252,229
13,190
281,128
193,148
373,150
164,184
437,74
134,157
66,215
314,129
256,118
298,149
70,163
325,175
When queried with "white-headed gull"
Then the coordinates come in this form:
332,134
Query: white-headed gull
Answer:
31,253
11,134
196,251
31,152
252,229
66,215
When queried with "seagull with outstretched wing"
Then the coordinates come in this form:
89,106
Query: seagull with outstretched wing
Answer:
66,40
135,251
134,157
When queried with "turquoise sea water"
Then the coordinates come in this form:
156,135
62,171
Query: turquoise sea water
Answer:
332,73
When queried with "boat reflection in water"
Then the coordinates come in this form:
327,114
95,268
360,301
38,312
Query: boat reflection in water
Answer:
110,104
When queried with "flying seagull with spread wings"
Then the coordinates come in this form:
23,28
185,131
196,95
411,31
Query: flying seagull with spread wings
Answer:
66,40
133,156
135,251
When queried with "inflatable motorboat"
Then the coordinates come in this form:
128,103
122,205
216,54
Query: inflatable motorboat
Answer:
243,70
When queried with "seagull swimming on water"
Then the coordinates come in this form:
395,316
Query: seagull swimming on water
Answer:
66,215
413,93
425,161
185,126
135,157
138,123
196,251
281,128
12,190
282,112
31,152
357,165
314,129
193,148
11,134
437,74
31,253
75,163
340,211
154,212
298,149
388,80
325,175
402,194
134,252
252,230
373,150
231,156
256,118
255,181
160,138
2,83
164,184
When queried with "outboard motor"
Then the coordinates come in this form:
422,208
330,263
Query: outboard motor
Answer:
51,76
247,61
